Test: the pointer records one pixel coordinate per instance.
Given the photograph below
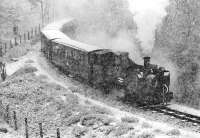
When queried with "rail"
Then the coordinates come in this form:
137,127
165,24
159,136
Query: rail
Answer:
177,114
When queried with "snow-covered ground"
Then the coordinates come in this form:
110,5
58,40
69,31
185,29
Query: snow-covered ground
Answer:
33,58
10,134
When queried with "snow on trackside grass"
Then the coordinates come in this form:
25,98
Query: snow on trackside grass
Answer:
10,134
144,126
185,109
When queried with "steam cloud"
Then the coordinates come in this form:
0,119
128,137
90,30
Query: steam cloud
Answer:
148,15
99,16
127,25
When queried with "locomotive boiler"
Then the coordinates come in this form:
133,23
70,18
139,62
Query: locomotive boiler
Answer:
106,69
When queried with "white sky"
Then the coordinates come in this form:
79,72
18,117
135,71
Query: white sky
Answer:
146,5
148,14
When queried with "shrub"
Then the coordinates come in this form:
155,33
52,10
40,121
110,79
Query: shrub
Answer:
146,135
174,132
16,52
73,119
146,125
35,40
131,135
106,129
128,119
29,61
123,128
78,131
87,102
98,119
158,131
100,110
91,134
42,77
24,70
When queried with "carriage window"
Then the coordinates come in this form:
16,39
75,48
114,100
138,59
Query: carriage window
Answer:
99,58
56,48
117,60
76,55
69,53
85,59
66,53
82,57
72,54
62,52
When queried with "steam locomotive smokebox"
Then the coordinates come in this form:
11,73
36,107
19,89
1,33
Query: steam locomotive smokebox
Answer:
147,61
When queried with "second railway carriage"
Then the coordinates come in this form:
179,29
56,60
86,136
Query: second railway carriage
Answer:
105,68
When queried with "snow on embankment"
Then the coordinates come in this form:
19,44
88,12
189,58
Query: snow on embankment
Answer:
137,124
125,123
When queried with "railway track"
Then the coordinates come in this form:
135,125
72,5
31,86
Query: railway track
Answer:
174,113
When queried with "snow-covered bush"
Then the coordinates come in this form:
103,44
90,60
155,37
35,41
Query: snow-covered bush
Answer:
73,119
95,119
100,110
122,128
146,135
174,132
128,119
146,125
78,131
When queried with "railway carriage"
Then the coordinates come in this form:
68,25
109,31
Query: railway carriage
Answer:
68,58
105,68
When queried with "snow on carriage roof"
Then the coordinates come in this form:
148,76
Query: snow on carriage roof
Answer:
53,31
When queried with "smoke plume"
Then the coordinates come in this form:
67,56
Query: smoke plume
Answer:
127,25
148,14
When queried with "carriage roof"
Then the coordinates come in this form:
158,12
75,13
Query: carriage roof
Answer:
53,32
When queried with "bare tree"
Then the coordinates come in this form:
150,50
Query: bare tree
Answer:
45,7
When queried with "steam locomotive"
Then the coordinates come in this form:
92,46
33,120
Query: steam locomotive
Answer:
106,69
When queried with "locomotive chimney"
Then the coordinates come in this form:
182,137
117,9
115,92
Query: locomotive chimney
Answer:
146,62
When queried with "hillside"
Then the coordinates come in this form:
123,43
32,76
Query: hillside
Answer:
36,90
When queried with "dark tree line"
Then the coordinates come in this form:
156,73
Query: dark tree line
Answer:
179,37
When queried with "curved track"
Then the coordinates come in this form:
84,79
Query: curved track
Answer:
174,113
